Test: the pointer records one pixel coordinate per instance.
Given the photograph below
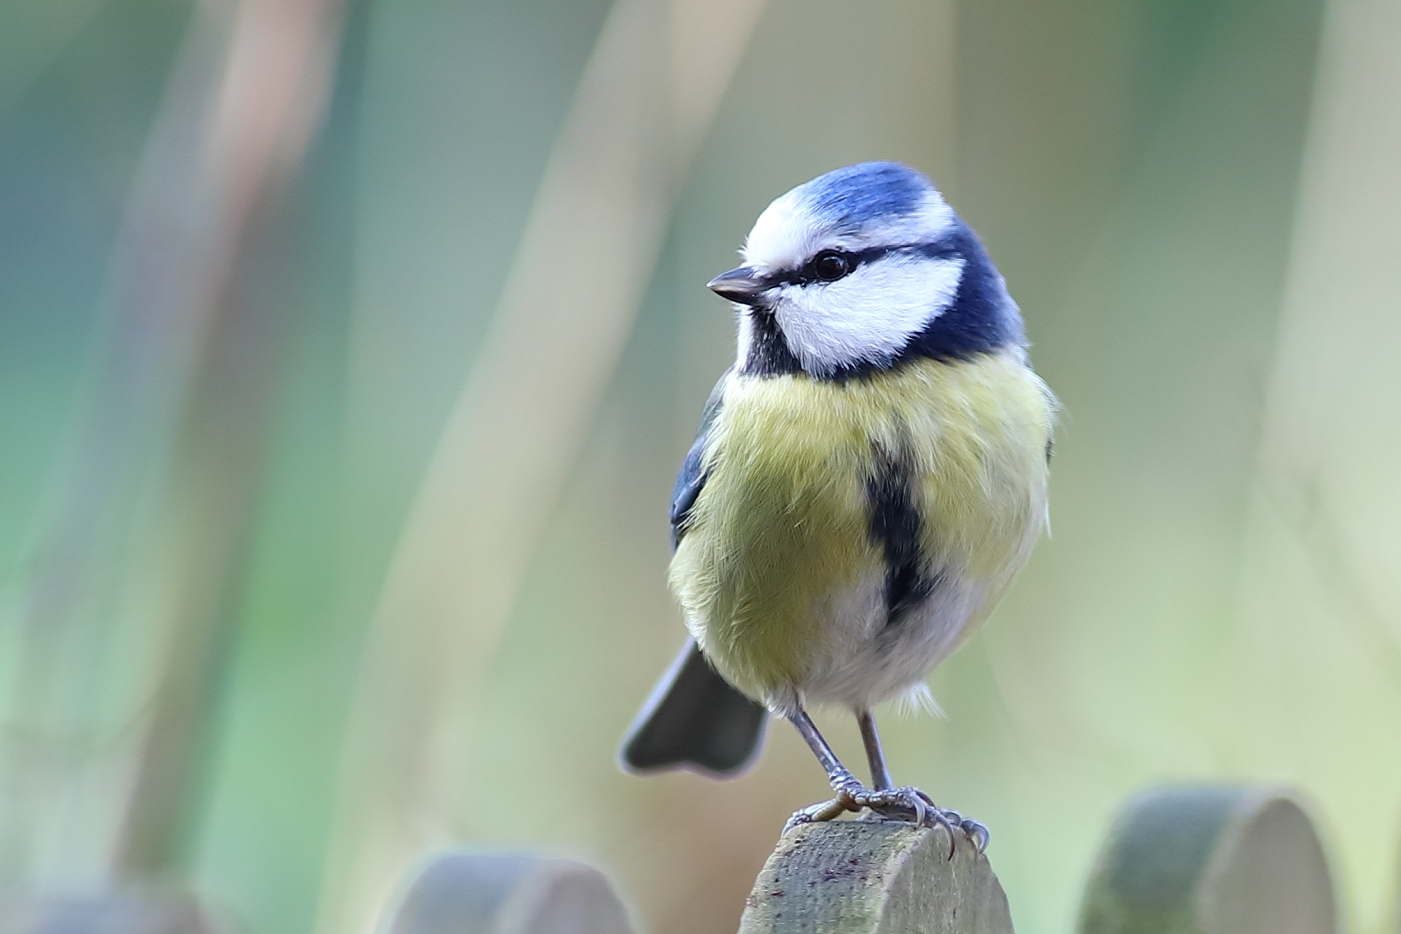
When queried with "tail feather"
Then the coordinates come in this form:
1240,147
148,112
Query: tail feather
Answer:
694,720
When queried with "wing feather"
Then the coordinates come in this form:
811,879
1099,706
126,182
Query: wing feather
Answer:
691,480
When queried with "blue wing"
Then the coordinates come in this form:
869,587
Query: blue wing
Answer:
692,477
694,718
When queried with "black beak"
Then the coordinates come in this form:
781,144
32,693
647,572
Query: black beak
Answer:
743,285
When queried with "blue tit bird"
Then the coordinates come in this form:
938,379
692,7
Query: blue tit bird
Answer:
869,477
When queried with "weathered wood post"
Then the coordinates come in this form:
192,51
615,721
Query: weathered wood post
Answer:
1210,861
495,893
869,876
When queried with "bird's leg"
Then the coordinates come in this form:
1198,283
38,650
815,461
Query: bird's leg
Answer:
908,803
880,775
840,777
880,781
883,798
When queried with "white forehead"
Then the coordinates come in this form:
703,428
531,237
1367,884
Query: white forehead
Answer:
791,230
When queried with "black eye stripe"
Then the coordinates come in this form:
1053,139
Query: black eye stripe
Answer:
859,258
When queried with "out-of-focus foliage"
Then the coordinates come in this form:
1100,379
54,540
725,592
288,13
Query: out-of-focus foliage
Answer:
1195,203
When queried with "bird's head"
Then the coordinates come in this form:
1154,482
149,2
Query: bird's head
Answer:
859,270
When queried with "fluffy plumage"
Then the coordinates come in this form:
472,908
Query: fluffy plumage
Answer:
784,576
869,476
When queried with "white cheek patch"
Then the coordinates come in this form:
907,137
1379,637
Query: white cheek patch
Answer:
868,317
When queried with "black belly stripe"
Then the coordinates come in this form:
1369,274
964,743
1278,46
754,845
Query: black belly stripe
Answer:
895,526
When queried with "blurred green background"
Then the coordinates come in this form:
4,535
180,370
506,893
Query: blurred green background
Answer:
347,353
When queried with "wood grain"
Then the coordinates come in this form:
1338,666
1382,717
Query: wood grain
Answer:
859,876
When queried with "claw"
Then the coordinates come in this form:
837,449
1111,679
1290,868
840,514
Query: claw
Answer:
977,832
948,820
921,811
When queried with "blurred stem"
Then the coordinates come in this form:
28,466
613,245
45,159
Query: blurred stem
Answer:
277,74
153,322
642,106
170,442
202,548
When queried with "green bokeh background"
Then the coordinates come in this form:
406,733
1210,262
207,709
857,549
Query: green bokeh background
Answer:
1151,176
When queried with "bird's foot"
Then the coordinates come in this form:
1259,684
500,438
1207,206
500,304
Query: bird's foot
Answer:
907,804
817,813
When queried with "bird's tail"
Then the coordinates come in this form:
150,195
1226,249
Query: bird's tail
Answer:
694,720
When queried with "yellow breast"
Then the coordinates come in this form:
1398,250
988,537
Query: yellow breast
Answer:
779,537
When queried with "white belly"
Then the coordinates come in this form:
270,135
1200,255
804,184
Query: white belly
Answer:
860,660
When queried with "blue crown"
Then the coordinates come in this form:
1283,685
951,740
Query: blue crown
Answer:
851,197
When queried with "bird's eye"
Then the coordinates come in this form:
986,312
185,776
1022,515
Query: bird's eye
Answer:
830,265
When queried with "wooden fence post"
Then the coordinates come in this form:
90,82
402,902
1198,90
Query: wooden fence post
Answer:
128,913
1177,861
869,876
1210,861
493,893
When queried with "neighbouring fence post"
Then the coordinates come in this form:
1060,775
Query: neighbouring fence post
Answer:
868,876
486,893
1210,861
132,913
